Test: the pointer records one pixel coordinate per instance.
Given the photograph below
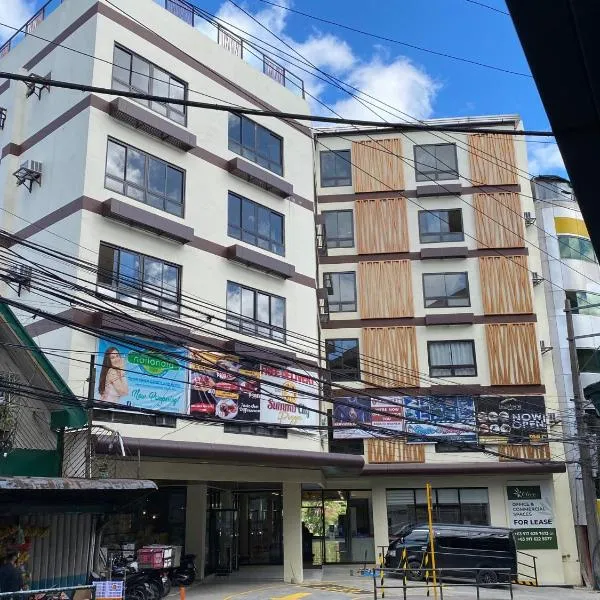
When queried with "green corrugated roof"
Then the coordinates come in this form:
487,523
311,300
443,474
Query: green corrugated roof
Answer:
69,416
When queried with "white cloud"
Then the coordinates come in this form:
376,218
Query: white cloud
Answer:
393,80
14,13
545,159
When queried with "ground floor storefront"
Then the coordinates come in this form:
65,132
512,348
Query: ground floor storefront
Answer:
304,510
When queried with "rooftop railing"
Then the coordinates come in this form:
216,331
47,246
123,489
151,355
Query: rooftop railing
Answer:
30,26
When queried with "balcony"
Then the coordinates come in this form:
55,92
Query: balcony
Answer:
29,27
240,47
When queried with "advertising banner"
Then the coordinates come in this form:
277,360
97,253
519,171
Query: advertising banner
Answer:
132,375
449,418
348,412
224,386
531,517
232,388
511,419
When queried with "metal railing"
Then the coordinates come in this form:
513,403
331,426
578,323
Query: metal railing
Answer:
531,567
29,27
235,44
415,579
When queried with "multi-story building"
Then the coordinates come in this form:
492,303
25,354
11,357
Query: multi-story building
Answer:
426,305
570,263
429,260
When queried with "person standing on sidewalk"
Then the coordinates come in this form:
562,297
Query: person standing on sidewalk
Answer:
11,578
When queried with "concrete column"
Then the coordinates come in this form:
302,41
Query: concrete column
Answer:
292,533
380,519
195,525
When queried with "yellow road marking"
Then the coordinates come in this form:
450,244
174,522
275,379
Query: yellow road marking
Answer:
296,596
264,587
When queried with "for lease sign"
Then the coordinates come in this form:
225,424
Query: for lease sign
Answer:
531,516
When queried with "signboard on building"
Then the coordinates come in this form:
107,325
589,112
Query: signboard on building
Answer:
143,374
233,388
444,418
359,417
511,419
531,517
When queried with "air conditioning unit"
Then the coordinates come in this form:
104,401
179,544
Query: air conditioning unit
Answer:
535,278
28,173
529,218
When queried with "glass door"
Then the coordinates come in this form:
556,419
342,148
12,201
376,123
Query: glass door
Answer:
223,551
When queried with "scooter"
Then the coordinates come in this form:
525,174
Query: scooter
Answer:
135,585
185,573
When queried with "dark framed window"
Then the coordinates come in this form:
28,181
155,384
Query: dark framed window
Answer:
446,290
441,226
251,429
343,359
466,506
588,360
577,248
255,224
256,143
436,162
139,279
452,358
132,73
336,168
144,177
254,312
580,300
341,291
339,228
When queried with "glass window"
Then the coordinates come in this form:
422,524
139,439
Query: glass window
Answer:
256,143
588,360
446,290
339,228
580,300
138,279
441,226
144,178
467,506
452,359
336,168
255,313
133,73
255,224
435,162
343,359
577,248
341,291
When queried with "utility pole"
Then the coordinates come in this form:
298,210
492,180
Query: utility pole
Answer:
585,458
90,417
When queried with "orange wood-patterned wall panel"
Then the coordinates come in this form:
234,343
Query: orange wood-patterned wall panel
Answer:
509,452
381,225
392,353
493,160
505,285
513,354
394,451
499,220
385,289
377,166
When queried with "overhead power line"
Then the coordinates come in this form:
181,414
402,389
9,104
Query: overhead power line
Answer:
266,113
502,12
399,42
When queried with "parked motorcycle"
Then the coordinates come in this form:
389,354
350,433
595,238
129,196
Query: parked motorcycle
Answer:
135,587
185,573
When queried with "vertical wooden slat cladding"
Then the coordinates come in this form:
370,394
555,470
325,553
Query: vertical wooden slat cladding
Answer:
381,225
513,354
505,285
509,452
392,353
394,451
499,220
376,166
385,289
492,158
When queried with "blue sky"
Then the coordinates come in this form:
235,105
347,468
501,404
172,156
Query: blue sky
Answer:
420,84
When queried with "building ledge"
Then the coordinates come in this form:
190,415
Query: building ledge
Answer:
260,177
450,319
465,468
452,252
152,124
146,220
260,261
439,189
